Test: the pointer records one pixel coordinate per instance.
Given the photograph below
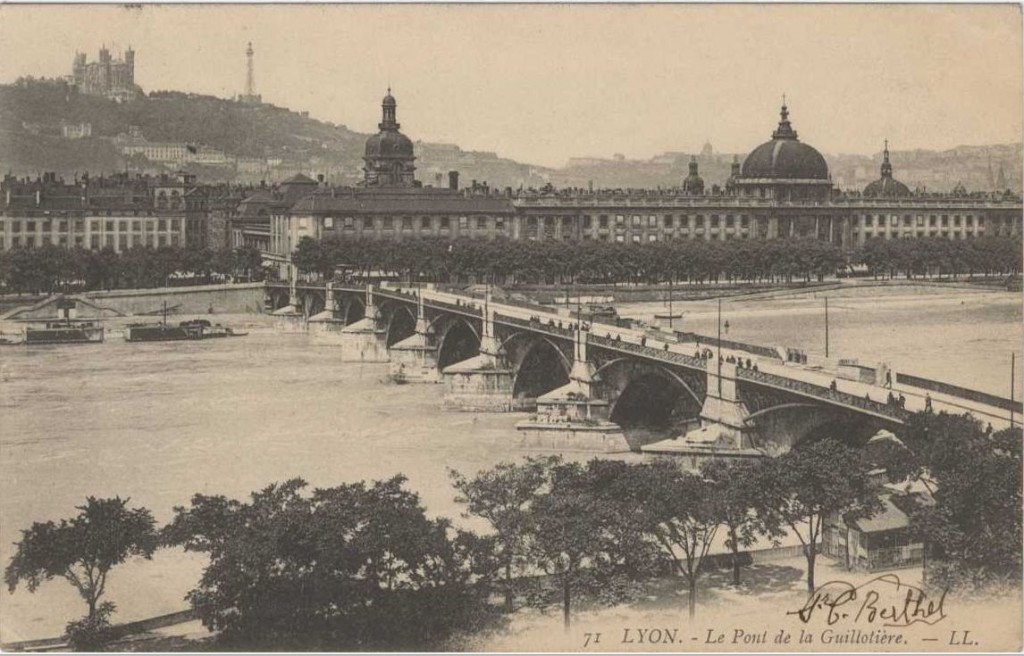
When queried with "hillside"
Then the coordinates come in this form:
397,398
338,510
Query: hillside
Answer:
32,113
255,142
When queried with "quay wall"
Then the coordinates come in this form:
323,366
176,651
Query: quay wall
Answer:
239,298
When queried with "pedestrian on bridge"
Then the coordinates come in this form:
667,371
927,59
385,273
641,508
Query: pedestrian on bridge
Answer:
927,402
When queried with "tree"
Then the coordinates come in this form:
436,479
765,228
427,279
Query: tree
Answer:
309,256
333,569
806,485
738,499
681,514
503,496
975,478
83,549
249,259
581,536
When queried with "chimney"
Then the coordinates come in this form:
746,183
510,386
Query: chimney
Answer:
453,180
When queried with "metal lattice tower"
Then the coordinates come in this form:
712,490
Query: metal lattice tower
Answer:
250,82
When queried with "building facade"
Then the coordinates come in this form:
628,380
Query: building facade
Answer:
119,212
783,189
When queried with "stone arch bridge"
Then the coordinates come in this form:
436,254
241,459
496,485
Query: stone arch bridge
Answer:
589,386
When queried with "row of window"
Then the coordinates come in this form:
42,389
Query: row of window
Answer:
932,220
482,222
160,225
919,233
120,242
653,237
407,222
77,214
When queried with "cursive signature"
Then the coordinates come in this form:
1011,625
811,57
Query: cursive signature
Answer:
884,599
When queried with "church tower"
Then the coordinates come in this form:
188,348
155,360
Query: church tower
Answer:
389,153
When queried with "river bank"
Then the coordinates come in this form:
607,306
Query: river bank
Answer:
158,422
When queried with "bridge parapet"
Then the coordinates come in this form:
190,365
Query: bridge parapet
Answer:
824,393
648,352
960,392
538,326
706,340
412,297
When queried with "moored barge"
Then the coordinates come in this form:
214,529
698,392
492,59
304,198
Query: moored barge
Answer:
64,332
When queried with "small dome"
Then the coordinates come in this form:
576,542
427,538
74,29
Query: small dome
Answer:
389,100
785,157
389,143
886,188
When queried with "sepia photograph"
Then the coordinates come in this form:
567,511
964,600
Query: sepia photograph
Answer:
469,327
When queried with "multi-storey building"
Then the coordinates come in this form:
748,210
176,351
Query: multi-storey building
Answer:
119,212
783,189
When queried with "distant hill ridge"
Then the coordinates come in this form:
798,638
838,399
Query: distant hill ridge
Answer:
33,111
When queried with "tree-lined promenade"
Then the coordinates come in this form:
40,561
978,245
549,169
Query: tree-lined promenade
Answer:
51,269
761,261
332,568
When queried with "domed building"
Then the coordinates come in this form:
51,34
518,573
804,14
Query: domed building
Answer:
693,185
389,154
886,186
784,168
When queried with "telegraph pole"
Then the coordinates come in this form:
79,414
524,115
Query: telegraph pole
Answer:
719,348
826,327
670,302
1013,382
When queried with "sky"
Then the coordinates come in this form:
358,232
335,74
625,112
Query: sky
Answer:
542,83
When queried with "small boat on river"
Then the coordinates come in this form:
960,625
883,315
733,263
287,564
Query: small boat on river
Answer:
186,330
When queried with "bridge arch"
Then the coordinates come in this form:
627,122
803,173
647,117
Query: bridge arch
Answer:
353,308
647,395
541,367
457,340
400,322
313,302
781,427
278,298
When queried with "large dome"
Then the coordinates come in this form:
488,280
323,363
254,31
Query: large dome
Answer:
785,157
389,143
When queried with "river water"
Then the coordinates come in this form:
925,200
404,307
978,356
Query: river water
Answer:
160,422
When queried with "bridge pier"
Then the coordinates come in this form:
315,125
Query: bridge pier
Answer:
290,318
325,327
723,431
572,417
483,383
414,359
365,340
